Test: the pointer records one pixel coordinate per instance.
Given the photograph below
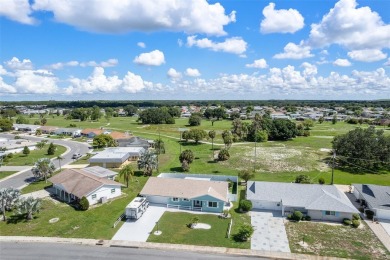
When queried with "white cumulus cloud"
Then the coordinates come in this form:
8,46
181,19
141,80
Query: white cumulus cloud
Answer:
141,45
17,10
368,55
387,63
342,63
173,74
35,82
352,27
190,16
258,64
294,51
192,72
5,88
133,83
153,58
281,21
16,64
235,45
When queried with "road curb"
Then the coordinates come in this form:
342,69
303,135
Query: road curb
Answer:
15,174
164,247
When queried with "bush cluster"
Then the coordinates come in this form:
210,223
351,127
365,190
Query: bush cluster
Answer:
347,221
245,205
355,223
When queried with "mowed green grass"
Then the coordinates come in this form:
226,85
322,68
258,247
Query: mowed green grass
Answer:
94,223
335,241
311,158
20,159
4,174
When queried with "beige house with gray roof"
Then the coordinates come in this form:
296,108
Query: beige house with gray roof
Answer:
200,195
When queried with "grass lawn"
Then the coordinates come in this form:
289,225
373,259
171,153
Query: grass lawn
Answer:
4,174
275,161
83,160
175,231
335,240
94,223
20,159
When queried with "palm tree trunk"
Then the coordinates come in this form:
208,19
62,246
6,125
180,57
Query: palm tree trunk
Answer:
29,215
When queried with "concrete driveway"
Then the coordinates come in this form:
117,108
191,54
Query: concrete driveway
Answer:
139,230
386,225
270,233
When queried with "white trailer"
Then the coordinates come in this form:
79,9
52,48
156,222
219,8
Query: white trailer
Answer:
136,208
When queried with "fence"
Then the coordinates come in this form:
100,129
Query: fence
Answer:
179,207
118,220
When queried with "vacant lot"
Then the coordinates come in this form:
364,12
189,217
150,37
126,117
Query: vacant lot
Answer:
335,240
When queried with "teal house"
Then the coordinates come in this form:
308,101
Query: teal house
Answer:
187,194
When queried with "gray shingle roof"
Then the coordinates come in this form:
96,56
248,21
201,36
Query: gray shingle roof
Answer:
309,196
377,196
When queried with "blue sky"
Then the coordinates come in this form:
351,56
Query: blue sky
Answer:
194,49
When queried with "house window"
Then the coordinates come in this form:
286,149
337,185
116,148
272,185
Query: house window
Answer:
112,191
213,204
93,196
330,213
175,199
186,200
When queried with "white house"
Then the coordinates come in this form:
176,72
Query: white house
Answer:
114,157
73,184
376,197
322,202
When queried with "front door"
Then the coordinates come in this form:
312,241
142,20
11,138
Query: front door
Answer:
197,203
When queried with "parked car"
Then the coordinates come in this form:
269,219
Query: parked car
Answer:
76,156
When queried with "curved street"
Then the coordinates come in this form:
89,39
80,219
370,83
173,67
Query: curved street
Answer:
26,177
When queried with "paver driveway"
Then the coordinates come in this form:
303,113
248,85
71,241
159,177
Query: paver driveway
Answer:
139,230
270,233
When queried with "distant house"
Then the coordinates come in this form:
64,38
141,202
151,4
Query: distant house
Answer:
321,202
48,129
115,157
376,197
200,195
26,128
74,132
135,141
73,184
101,172
92,132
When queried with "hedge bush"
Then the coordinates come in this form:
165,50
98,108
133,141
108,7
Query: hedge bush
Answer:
297,215
84,203
307,218
355,216
347,222
355,223
321,180
245,205
244,233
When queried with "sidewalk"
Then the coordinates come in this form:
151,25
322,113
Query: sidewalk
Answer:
14,168
162,246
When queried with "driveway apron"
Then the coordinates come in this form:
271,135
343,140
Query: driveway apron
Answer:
139,230
270,233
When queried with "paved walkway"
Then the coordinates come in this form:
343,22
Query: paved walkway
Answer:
270,233
386,225
14,168
139,230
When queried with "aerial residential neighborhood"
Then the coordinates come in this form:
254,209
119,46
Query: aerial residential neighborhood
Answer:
194,129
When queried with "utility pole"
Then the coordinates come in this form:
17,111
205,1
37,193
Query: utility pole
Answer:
254,165
334,157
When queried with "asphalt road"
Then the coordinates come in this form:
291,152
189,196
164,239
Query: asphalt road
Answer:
42,251
26,177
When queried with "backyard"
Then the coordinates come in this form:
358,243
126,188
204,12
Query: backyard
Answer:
335,240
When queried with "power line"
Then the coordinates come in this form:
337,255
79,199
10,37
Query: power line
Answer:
358,166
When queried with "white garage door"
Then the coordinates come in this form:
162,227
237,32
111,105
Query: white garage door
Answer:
157,199
258,204
383,214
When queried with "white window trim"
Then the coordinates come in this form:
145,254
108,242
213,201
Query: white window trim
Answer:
184,199
113,191
93,196
331,213
174,199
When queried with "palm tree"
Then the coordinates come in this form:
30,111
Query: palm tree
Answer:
29,206
59,158
159,146
43,167
8,198
148,162
212,136
127,173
